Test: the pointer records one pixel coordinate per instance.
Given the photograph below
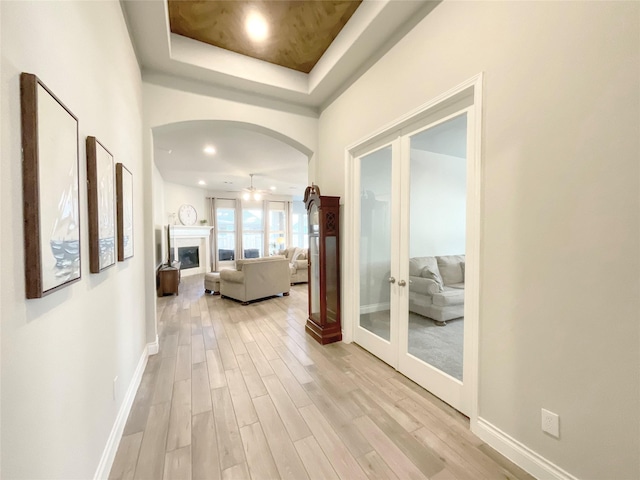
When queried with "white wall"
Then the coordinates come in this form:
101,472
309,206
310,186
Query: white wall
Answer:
438,204
176,195
61,353
560,226
159,211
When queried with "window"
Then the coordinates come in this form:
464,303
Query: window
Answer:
246,229
226,223
252,232
277,227
299,226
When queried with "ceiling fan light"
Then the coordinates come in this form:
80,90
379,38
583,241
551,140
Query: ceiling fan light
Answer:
257,196
246,195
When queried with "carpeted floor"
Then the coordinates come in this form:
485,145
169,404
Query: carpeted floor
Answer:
438,346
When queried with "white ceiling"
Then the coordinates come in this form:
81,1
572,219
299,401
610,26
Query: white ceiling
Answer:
374,28
240,151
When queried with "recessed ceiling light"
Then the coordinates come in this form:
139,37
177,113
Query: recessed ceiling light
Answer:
202,182
256,27
209,150
272,188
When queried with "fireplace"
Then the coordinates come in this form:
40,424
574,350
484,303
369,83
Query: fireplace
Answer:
189,257
191,246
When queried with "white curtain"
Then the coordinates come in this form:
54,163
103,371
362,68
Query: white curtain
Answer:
288,212
238,217
213,235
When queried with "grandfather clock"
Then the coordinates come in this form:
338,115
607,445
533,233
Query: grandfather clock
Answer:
323,323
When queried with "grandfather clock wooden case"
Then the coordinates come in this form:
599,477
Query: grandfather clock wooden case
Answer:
323,323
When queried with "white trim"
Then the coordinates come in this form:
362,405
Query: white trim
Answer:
520,454
474,245
412,116
113,442
153,348
385,134
375,307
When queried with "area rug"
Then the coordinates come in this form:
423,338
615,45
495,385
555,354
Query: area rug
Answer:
440,347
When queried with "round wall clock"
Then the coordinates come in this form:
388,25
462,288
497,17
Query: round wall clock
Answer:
187,214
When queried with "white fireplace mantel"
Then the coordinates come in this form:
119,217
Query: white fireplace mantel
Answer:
179,231
193,236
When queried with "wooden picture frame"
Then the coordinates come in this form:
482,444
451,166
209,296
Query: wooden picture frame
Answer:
50,189
101,193
124,209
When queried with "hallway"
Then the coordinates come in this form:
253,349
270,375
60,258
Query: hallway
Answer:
242,392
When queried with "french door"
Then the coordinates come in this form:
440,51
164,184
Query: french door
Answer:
413,210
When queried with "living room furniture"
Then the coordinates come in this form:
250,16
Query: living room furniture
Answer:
323,323
212,283
169,279
298,263
436,287
225,255
256,278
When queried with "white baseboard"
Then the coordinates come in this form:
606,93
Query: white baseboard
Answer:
153,348
518,453
375,307
109,453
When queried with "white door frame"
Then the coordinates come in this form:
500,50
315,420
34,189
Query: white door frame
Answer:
350,307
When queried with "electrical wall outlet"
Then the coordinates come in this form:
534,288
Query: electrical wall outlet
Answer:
551,423
115,387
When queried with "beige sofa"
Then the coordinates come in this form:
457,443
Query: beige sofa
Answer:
298,264
436,287
256,278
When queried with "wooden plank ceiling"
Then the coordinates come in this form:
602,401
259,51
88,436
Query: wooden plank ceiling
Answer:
299,31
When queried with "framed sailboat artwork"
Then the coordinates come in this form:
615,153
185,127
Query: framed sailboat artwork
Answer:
50,185
101,190
124,210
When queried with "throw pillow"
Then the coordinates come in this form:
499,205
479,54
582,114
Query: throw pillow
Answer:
297,254
435,276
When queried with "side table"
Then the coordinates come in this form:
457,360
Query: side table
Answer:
169,279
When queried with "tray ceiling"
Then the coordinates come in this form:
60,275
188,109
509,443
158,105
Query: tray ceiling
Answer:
305,29
363,31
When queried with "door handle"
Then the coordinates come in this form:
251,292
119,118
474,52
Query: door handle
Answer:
392,280
402,283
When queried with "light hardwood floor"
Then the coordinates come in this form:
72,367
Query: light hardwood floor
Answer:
240,392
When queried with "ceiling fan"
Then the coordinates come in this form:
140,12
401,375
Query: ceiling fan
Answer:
251,192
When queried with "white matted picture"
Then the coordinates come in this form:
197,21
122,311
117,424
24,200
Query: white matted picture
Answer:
101,190
124,193
50,184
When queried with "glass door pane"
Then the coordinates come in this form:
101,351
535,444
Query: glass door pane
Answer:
437,224
375,242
